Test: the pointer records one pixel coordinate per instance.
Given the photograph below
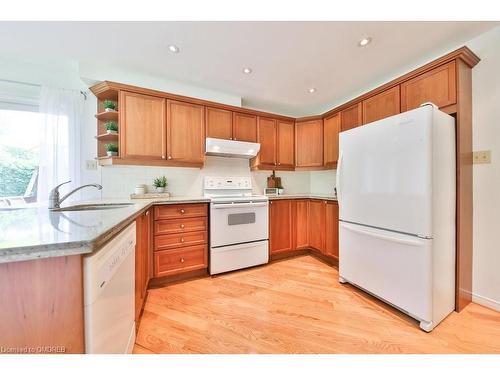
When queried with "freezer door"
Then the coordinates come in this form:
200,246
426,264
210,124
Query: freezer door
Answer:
384,173
394,267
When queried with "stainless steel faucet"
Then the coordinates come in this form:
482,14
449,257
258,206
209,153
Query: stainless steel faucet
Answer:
55,202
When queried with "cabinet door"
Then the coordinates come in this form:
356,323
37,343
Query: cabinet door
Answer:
267,140
381,105
185,132
309,143
351,117
244,127
331,131
300,225
280,226
332,230
317,211
142,259
437,86
142,126
286,144
219,123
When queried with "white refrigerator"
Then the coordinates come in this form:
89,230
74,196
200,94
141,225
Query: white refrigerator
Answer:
396,193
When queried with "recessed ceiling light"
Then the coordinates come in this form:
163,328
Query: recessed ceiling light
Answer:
365,41
247,70
173,49
311,90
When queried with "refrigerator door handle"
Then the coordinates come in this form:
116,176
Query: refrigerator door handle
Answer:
337,180
405,241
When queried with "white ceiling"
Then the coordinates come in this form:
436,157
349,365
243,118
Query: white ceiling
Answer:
287,58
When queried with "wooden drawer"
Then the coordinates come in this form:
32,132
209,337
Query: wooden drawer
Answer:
172,262
176,211
171,226
170,241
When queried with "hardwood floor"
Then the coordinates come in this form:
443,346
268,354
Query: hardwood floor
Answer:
297,306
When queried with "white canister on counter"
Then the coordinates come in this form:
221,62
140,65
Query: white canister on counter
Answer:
140,189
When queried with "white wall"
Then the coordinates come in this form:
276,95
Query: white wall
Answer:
323,182
486,136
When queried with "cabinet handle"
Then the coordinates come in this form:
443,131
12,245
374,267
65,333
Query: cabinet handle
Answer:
169,157
182,239
163,156
147,213
275,163
182,226
182,260
182,210
279,163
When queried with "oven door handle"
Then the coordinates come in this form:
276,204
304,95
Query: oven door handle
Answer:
238,205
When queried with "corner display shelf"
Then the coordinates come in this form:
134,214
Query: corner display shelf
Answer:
106,93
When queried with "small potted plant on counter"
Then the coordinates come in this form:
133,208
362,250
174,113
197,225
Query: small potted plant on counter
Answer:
111,149
160,183
111,127
109,105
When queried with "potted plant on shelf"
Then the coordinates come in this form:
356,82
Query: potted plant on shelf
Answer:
111,127
160,183
111,149
109,105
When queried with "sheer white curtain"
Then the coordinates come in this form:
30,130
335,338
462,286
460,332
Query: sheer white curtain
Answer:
61,113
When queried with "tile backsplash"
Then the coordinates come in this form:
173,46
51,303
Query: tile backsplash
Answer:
120,181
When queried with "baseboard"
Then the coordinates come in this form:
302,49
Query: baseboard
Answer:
485,301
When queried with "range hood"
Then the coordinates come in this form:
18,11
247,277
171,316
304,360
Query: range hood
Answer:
231,149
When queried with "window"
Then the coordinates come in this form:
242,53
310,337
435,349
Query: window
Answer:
20,134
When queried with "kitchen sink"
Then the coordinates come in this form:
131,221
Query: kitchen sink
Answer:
95,206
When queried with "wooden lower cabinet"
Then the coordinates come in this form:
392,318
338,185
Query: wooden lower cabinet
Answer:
142,260
301,224
280,226
180,238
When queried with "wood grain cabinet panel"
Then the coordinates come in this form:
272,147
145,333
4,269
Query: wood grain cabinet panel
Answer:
171,262
267,140
180,225
351,117
142,126
317,213
301,223
382,105
219,123
309,143
280,226
331,130
185,132
332,229
286,144
177,211
437,86
244,127
142,260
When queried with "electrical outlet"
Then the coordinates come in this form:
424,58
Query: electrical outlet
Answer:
481,157
91,165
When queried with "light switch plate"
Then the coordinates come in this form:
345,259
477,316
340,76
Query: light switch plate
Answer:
91,165
481,157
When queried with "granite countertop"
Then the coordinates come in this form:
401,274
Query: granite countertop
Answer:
37,232
304,196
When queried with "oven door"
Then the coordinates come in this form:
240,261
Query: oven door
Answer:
235,223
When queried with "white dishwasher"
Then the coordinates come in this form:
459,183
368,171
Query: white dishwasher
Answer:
109,295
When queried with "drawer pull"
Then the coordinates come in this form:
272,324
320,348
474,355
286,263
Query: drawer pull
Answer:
182,226
182,239
183,211
182,260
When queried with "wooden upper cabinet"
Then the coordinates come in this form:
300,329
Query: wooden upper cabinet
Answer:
280,226
351,117
332,229
267,140
331,130
300,223
219,123
286,142
244,127
381,105
309,143
317,211
142,126
185,132
437,86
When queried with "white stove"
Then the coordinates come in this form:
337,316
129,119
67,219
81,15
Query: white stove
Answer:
239,234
